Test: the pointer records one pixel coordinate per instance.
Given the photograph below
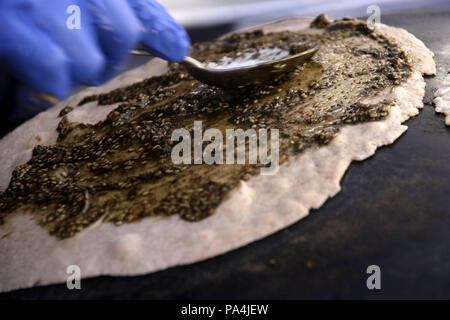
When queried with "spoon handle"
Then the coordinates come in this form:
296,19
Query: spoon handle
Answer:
138,52
189,62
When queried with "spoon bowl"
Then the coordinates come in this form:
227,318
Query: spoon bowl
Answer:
241,76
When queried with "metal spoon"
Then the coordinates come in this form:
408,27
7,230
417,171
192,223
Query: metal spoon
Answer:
241,76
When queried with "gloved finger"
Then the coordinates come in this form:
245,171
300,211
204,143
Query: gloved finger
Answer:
118,31
162,35
31,56
80,45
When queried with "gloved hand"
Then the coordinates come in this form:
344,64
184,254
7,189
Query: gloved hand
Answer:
38,49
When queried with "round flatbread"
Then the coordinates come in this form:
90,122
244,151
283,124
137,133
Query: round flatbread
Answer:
256,208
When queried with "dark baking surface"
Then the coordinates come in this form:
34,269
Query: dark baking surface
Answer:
393,211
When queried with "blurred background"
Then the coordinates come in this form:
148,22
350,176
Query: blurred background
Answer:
207,19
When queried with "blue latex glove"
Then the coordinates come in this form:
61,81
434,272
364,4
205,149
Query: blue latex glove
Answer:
38,49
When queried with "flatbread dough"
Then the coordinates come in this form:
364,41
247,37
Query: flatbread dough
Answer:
442,100
259,207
